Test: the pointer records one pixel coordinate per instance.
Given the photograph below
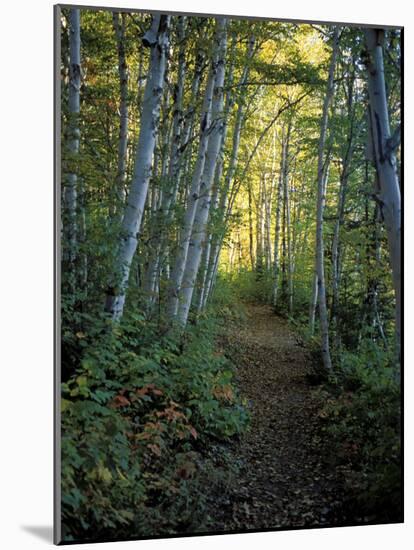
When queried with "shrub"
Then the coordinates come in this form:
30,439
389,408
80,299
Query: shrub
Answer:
137,419
363,418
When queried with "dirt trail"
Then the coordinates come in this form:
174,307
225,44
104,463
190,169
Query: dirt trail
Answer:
287,478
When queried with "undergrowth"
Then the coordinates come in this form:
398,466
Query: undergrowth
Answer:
139,418
362,418
361,415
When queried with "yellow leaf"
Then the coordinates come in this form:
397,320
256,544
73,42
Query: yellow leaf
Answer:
64,404
81,380
104,474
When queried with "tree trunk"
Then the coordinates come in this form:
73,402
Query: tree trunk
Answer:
157,39
343,187
385,162
276,266
251,253
73,134
320,269
161,222
200,221
193,198
288,229
231,170
119,23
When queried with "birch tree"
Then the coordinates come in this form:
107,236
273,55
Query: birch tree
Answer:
199,229
193,197
163,215
119,23
72,140
346,161
157,40
231,171
320,268
276,266
384,148
288,228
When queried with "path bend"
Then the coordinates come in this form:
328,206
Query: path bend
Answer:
287,477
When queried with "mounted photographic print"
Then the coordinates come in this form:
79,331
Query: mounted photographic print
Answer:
228,274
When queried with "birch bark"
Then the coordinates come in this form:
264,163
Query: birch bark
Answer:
385,161
343,186
231,171
320,269
119,24
73,134
156,39
193,197
200,221
163,215
276,261
288,242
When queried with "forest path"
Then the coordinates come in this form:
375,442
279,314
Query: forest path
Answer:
287,476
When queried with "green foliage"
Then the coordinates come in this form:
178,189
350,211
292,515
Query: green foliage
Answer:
143,406
249,286
363,418
137,419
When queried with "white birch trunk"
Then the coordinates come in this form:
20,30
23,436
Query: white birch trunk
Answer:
163,217
336,241
200,221
385,162
186,147
268,217
288,240
203,279
320,268
280,203
313,302
231,170
157,39
193,197
73,135
314,293
276,261
343,186
119,28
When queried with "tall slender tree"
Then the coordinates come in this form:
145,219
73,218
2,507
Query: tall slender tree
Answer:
384,149
157,40
203,206
72,144
193,197
119,23
320,266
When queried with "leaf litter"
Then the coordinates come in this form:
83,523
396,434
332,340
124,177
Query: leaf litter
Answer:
288,476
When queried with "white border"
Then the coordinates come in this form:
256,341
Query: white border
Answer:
26,229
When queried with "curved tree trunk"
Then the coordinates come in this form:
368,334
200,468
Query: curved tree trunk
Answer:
385,162
231,171
200,221
163,215
193,198
157,39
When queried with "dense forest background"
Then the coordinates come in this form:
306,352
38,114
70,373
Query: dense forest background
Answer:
209,164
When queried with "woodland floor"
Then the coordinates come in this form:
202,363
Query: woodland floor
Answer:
288,478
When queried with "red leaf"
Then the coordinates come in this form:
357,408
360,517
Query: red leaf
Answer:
120,401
